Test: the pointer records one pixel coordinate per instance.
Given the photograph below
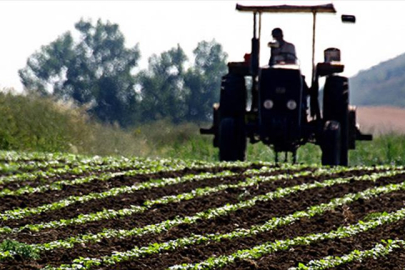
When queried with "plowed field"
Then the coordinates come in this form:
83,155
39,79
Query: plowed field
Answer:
381,120
74,212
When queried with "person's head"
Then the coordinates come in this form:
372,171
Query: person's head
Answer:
277,34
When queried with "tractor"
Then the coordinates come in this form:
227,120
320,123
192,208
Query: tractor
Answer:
284,112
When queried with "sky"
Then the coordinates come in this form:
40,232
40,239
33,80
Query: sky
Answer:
157,26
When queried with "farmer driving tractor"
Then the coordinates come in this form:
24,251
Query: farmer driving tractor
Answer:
281,50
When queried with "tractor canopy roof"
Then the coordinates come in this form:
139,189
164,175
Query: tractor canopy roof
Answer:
328,8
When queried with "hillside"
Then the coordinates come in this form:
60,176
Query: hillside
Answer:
383,84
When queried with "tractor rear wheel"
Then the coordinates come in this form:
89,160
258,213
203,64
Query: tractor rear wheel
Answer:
232,139
336,108
331,144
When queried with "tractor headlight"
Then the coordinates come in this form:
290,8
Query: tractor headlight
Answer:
268,104
291,105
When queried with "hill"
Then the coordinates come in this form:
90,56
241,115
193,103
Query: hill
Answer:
381,85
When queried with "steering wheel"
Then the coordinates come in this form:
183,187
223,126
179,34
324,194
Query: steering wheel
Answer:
283,58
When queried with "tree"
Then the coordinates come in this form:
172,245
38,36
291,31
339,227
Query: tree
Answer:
161,87
204,80
169,91
95,71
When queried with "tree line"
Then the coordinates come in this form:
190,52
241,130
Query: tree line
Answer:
97,71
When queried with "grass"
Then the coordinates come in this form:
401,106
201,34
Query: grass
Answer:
37,124
184,142
384,149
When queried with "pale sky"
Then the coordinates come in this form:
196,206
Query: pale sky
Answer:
158,26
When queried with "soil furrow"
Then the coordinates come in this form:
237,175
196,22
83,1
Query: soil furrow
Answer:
283,260
158,212
337,247
71,176
393,261
244,218
41,180
95,186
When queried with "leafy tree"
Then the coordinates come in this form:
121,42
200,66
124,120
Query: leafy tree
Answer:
170,91
204,80
95,71
161,87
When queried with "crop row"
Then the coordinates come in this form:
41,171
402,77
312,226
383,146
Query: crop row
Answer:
7,157
223,211
256,252
78,169
14,156
379,250
88,174
213,213
16,166
13,167
142,166
270,247
60,184
109,214
199,192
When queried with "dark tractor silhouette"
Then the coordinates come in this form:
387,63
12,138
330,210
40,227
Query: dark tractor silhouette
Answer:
279,113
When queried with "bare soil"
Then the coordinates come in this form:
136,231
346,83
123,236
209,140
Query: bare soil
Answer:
244,218
381,120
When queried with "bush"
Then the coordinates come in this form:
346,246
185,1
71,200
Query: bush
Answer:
31,123
38,124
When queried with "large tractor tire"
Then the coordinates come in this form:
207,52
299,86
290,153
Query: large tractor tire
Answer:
331,144
232,140
336,108
233,96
